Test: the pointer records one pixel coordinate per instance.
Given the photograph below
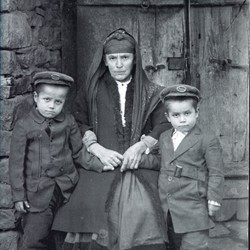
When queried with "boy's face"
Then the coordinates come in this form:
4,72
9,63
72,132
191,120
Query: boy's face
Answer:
50,100
182,115
120,65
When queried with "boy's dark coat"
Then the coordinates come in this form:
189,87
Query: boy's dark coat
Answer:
42,155
186,197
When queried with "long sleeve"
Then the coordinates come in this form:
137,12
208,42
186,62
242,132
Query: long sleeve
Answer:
80,111
75,140
214,162
159,121
79,152
150,161
17,162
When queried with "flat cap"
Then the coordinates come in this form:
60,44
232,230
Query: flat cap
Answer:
180,90
52,77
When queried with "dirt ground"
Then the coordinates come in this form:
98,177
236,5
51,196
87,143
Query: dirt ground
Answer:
231,235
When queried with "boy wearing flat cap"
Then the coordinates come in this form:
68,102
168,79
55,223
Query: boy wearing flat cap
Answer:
191,177
45,145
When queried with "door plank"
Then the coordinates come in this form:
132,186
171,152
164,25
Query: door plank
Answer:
161,37
239,77
219,34
170,30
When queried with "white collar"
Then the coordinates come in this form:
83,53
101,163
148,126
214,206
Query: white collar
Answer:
124,83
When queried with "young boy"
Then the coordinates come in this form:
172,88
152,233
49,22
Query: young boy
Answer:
191,177
46,144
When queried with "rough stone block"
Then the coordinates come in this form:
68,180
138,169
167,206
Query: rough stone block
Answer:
35,35
8,240
27,4
55,36
8,5
4,171
219,230
5,87
8,64
6,81
50,15
5,143
43,3
239,230
40,11
5,92
5,196
25,57
55,59
16,32
236,188
55,6
36,20
22,85
41,56
44,35
8,220
7,112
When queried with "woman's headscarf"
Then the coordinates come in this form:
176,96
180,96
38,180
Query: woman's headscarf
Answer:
143,89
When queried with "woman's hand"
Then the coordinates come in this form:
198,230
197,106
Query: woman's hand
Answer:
109,158
132,156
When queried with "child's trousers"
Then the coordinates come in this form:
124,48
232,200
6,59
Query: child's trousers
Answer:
188,241
36,226
195,241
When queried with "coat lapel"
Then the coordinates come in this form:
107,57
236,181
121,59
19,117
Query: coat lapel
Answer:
169,144
190,139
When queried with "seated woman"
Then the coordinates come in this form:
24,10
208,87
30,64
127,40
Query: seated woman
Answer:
115,204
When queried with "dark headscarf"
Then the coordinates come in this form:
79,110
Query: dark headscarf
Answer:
143,90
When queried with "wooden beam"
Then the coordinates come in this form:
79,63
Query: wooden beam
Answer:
194,3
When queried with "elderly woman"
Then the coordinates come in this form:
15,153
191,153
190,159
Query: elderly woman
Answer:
115,204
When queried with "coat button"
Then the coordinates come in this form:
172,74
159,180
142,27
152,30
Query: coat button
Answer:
168,194
170,178
61,169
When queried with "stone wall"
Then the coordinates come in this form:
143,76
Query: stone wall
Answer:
30,42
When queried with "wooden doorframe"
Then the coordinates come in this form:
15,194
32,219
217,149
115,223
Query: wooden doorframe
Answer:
175,3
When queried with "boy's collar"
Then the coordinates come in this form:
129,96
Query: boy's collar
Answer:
40,119
177,131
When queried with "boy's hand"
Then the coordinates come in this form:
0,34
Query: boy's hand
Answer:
132,156
22,206
212,209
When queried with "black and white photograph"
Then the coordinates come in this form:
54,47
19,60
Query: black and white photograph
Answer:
124,124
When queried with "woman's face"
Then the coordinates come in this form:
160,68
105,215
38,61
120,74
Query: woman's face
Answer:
120,65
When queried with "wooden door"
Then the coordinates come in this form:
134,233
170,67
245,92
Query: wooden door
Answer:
157,28
219,65
220,68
